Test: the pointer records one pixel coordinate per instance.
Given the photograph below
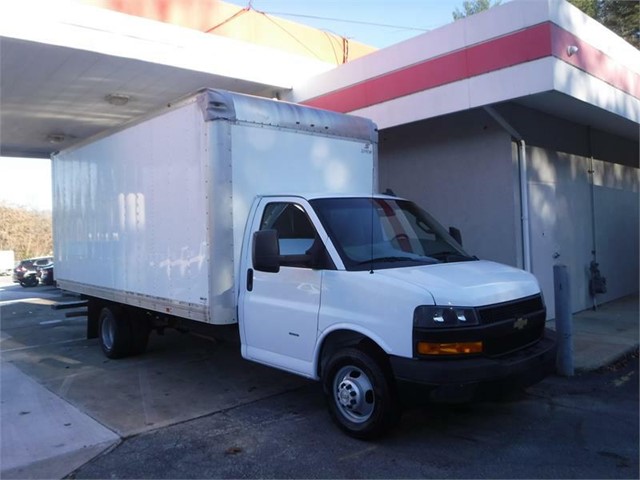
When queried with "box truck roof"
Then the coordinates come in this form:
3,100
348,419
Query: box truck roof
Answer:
249,109
221,104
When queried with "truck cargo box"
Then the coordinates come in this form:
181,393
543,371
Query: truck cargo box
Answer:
153,213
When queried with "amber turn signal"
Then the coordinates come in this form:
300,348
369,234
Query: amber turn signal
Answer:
461,348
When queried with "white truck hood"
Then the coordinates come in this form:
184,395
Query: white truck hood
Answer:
468,284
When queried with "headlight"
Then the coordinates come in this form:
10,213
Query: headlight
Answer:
428,316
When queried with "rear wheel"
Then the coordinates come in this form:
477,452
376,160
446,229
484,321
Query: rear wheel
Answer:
115,332
360,394
120,334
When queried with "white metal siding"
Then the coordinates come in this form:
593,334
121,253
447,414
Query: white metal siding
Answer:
154,214
129,210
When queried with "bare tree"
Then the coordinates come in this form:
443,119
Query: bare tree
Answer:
27,232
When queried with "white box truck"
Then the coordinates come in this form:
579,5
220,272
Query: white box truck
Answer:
226,209
7,261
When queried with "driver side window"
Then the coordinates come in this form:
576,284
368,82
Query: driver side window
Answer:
296,233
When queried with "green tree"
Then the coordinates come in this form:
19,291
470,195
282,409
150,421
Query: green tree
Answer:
590,7
623,17
620,16
470,7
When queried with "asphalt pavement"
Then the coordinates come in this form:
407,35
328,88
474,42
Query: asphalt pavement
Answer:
583,427
56,416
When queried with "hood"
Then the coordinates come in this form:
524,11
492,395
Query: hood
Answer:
468,284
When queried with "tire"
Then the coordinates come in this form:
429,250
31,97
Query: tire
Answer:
114,332
360,393
30,281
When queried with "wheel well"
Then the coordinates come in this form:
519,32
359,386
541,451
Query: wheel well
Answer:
347,338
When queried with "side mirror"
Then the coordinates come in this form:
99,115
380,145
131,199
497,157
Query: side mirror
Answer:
455,233
266,251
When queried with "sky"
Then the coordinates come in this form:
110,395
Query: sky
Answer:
378,23
25,182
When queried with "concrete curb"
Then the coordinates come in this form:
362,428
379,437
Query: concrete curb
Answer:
613,359
42,435
603,336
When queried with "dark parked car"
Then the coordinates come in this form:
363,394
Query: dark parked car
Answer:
26,272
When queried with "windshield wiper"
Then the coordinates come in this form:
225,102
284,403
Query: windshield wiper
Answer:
394,259
450,256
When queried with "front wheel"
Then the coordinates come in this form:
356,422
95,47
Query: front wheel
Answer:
360,395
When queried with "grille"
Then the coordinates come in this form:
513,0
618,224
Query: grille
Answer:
510,310
505,316
516,339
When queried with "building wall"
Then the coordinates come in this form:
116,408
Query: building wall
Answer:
459,168
617,218
569,217
553,133
463,168
575,212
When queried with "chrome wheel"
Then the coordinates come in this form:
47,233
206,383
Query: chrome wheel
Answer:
360,392
353,394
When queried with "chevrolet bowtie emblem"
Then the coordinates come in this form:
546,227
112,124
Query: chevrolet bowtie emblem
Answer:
520,323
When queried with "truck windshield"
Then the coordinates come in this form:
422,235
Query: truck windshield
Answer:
385,233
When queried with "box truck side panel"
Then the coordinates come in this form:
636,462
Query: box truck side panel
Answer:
130,215
268,160
153,214
258,146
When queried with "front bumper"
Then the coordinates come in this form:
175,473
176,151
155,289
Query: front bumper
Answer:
463,379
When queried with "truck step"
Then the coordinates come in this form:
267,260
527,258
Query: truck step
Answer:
66,305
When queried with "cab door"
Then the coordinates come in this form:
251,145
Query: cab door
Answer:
279,310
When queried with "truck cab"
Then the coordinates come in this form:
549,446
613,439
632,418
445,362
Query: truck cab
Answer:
366,293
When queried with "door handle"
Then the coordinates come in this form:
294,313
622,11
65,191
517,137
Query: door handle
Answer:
555,255
250,279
